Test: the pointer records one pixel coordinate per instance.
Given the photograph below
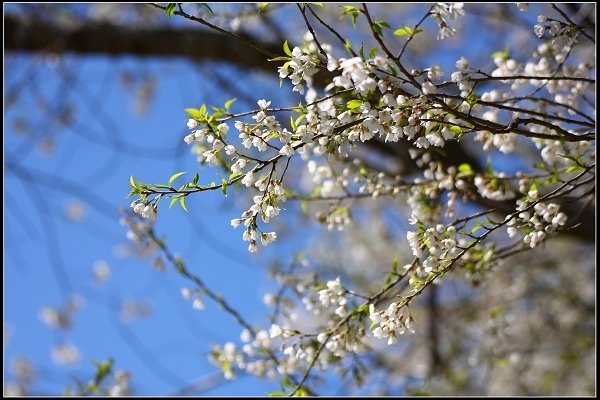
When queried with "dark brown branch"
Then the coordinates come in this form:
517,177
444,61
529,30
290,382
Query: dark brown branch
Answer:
116,40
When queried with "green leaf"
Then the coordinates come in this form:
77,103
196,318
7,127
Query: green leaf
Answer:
262,7
488,256
573,168
132,182
533,187
299,119
377,29
175,176
503,54
195,179
363,309
235,175
173,200
352,104
195,114
465,169
383,23
353,11
300,393
226,366
103,368
455,129
277,394
280,58
304,206
91,387
407,31
373,52
224,184
354,18
318,4
170,10
229,102
182,202
348,45
286,48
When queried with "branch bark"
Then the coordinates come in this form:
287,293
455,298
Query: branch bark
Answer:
116,40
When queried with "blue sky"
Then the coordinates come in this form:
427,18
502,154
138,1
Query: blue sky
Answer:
41,241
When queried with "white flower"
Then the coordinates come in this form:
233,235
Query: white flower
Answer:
248,179
539,30
189,138
198,304
101,271
138,208
65,354
263,104
435,72
223,128
462,64
210,156
238,165
321,337
286,150
259,143
259,116
54,318
245,336
252,248
192,123
148,212
261,184
269,299
332,63
429,88
229,149
267,238
559,219
446,32
275,331
186,293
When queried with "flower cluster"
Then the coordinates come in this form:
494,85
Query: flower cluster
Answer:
301,67
442,11
334,295
120,386
188,293
369,103
355,75
395,320
494,188
265,206
442,245
144,210
544,219
252,357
